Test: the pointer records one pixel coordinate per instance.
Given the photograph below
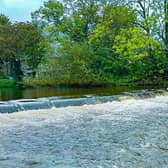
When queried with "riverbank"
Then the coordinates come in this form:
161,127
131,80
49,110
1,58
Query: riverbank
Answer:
7,83
47,82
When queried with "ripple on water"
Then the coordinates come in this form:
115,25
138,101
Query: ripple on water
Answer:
130,133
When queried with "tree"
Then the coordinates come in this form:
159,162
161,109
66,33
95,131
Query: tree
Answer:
4,20
71,19
31,46
60,19
72,65
22,43
134,45
123,36
152,18
5,35
166,25
114,19
49,18
6,42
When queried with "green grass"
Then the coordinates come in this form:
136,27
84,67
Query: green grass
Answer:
127,81
7,83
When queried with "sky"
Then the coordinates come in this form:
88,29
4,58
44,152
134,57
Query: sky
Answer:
19,10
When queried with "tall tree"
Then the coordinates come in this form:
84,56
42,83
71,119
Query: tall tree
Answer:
114,19
166,25
22,43
49,17
5,35
31,46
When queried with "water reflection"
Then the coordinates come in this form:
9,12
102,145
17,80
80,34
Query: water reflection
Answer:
20,93
11,93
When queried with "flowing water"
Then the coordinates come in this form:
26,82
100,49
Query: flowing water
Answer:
130,133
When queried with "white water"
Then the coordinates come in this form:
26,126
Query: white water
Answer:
127,134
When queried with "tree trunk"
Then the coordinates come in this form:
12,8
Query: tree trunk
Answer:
17,73
34,74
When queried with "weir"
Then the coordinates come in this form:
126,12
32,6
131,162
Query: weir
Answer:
126,130
57,102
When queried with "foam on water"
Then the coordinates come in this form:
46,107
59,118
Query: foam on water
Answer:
130,133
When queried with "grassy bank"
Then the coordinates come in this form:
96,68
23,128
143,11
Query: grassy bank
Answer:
7,83
43,82
48,82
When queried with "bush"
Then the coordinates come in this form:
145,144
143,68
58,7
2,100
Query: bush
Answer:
7,83
3,76
71,67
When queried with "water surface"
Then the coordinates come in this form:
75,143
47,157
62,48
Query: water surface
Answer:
29,93
124,134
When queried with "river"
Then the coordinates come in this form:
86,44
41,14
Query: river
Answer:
131,133
29,93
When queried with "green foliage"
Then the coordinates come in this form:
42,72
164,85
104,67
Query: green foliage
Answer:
114,19
102,41
50,17
4,77
72,65
4,20
31,46
6,83
89,42
22,43
62,20
135,44
107,62
6,42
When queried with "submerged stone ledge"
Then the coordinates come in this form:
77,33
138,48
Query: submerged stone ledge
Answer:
57,102
6,107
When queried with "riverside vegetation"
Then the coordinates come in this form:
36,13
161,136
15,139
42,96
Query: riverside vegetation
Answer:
89,43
